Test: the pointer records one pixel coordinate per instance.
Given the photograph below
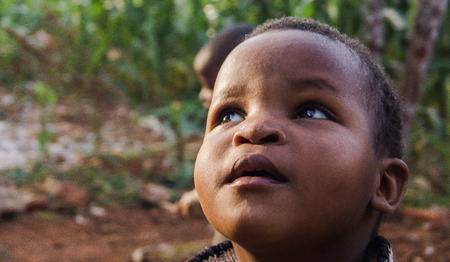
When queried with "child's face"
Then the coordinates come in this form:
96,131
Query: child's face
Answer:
206,71
287,155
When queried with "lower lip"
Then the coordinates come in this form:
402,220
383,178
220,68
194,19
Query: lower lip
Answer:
254,181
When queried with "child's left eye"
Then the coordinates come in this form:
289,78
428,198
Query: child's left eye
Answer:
313,113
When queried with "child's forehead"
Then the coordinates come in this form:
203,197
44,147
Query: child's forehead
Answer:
296,54
283,43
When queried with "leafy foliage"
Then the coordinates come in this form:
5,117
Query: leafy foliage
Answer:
143,50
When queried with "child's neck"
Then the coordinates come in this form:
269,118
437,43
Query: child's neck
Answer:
345,248
354,254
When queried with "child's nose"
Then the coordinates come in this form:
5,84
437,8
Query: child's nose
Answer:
259,133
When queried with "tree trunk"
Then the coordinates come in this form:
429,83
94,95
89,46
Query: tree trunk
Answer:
418,55
374,28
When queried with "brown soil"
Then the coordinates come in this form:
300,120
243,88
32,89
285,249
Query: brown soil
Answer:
47,236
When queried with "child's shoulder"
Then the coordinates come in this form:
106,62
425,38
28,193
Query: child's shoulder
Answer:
379,250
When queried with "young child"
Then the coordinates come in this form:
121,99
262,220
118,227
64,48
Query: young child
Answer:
208,60
302,151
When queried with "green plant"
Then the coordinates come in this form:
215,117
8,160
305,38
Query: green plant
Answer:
37,173
46,99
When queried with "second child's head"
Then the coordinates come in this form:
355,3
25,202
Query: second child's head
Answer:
211,56
302,150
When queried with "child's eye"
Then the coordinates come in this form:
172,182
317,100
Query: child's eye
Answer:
313,112
230,116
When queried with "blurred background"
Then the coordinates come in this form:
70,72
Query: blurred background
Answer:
99,110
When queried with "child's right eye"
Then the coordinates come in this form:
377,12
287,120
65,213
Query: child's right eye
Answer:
230,116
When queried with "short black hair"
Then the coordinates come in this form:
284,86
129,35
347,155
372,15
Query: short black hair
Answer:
381,99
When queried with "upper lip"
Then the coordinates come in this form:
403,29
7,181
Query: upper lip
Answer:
255,165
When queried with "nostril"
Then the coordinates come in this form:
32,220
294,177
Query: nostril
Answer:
241,140
270,138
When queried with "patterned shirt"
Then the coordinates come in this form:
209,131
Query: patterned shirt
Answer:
379,250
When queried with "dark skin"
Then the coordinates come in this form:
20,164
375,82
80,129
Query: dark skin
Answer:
287,169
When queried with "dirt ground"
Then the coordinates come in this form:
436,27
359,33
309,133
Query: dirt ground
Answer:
47,236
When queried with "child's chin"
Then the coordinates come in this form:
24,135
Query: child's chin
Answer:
249,230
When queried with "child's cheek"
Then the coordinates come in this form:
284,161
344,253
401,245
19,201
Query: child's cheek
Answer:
208,175
209,163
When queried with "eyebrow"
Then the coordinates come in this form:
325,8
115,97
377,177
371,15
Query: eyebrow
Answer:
225,93
231,90
319,84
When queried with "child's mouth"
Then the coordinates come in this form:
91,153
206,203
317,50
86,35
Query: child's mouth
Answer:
255,167
257,172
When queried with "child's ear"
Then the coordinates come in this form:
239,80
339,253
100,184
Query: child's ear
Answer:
392,184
